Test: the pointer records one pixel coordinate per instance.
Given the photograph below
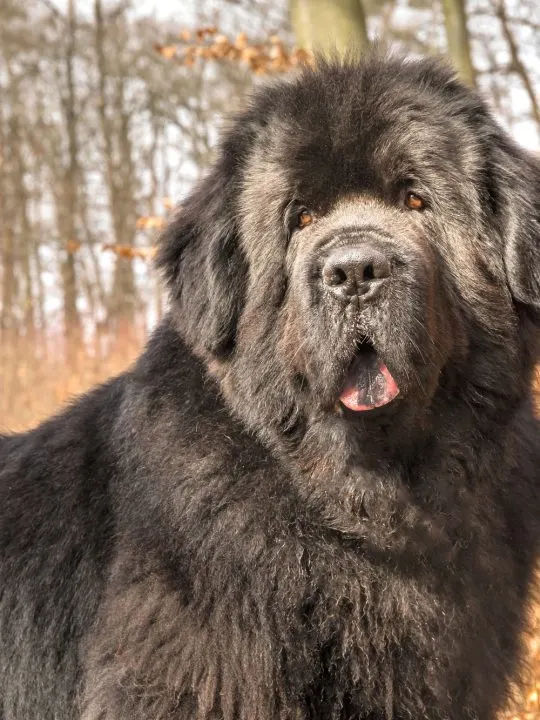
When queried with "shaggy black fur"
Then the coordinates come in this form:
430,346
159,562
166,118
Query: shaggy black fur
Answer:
213,535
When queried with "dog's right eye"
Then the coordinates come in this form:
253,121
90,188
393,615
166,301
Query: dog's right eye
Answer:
305,218
414,201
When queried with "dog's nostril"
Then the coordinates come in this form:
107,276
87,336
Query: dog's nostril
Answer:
333,275
369,273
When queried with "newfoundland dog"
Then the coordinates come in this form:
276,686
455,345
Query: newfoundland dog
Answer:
316,494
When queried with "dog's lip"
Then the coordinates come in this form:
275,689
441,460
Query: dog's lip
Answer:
368,384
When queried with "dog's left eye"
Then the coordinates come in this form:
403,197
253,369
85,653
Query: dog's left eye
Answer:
305,218
414,201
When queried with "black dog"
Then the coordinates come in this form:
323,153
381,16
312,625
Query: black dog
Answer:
316,493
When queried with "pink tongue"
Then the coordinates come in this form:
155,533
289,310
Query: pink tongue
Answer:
368,389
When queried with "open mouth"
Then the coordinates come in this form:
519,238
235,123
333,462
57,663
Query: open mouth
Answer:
368,384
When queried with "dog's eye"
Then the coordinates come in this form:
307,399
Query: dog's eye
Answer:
414,201
305,218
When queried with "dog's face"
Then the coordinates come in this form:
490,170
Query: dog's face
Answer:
366,245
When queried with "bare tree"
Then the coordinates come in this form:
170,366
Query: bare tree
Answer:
115,122
67,205
516,64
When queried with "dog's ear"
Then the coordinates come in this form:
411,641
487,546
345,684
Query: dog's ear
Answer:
518,211
202,262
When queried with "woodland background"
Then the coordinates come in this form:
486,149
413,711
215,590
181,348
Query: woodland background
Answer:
109,112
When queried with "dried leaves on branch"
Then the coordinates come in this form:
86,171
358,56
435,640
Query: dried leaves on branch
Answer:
270,56
127,252
131,252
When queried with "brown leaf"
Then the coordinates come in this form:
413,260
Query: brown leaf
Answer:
167,51
72,246
150,222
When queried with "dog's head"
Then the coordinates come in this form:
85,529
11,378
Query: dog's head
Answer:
367,243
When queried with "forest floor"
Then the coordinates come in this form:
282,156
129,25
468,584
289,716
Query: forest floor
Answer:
32,390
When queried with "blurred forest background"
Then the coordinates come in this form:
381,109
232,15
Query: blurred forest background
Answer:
109,112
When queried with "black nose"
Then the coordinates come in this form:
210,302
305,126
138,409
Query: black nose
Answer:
356,270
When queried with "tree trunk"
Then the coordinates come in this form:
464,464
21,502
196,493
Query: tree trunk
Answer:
120,180
329,25
7,224
72,320
24,228
457,35
8,320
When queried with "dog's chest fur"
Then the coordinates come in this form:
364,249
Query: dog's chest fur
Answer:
279,616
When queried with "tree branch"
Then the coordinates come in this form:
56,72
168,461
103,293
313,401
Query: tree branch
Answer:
516,63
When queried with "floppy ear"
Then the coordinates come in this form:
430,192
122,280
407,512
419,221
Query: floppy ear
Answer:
203,264
519,176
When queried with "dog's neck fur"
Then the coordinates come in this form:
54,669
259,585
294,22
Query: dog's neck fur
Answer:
336,466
